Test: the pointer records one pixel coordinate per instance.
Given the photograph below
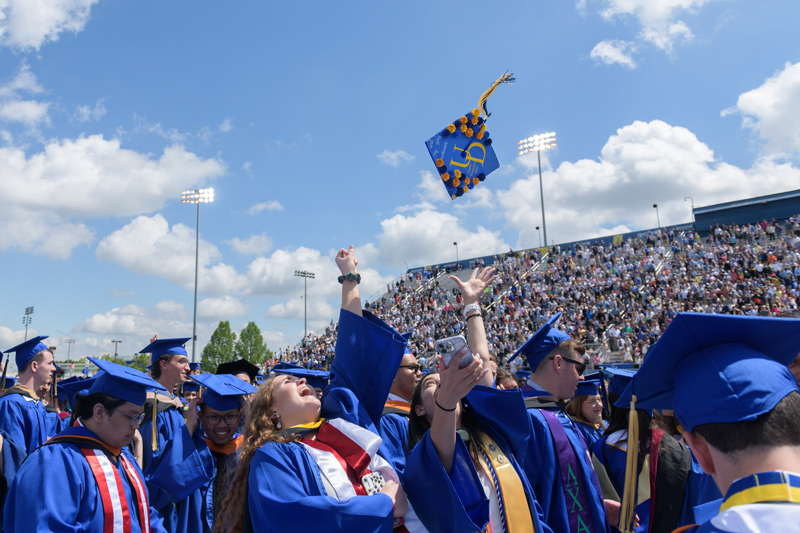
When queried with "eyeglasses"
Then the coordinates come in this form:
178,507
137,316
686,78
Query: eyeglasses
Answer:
580,364
136,421
413,368
230,420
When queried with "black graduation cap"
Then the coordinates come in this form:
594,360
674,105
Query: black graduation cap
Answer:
242,366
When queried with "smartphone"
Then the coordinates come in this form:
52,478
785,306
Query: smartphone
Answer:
450,346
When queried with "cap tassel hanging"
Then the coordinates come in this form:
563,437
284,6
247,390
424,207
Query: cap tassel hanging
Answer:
626,512
155,432
507,77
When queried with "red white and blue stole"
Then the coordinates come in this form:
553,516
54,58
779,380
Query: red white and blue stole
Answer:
116,513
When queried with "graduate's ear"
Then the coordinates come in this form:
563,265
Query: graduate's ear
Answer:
699,448
419,410
99,410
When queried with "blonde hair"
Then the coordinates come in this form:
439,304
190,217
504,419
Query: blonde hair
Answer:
259,428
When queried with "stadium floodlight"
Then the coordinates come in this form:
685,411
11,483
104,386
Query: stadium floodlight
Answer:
538,143
196,196
305,274
658,219
27,319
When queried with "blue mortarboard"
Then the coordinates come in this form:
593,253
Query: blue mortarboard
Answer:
160,347
523,374
71,386
462,151
223,391
194,366
10,382
618,379
27,350
315,378
587,387
719,368
123,382
191,386
541,343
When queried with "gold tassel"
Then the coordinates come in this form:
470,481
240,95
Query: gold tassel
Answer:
628,509
507,77
155,432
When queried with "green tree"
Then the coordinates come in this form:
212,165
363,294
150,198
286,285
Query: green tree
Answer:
220,348
251,345
141,361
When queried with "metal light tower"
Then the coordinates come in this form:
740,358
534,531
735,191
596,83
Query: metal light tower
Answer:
538,143
70,341
27,319
456,245
116,345
196,196
305,275
658,219
540,235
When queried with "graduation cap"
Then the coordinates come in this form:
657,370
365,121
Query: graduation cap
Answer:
194,366
223,391
242,366
9,382
190,386
712,369
72,386
123,382
541,343
523,374
27,350
316,378
462,151
159,347
587,387
719,368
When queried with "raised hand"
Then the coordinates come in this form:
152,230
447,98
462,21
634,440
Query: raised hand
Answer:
457,382
472,289
346,261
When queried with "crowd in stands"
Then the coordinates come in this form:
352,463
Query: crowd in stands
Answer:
616,298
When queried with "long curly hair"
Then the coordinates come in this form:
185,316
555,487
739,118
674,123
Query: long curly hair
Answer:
259,428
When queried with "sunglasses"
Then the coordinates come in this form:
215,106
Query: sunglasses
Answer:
413,368
580,364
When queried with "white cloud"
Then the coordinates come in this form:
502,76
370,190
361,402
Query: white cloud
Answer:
118,293
167,319
611,52
272,205
40,232
642,164
395,159
248,167
28,24
148,245
253,245
14,107
295,308
226,126
222,308
85,113
772,111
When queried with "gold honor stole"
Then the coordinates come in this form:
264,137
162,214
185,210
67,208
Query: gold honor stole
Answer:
516,514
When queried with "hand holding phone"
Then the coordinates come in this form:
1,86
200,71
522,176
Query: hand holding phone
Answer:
448,347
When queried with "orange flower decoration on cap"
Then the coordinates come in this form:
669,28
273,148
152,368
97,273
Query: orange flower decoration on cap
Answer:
445,176
476,112
463,120
451,128
439,162
469,132
457,173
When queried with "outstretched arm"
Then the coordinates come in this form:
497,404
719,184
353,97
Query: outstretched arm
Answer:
351,299
471,291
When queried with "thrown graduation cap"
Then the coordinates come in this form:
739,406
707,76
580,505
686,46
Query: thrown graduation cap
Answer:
587,388
223,391
541,343
123,382
27,350
159,347
316,378
719,368
462,151
242,366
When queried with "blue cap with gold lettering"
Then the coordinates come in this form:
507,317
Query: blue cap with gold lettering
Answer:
462,151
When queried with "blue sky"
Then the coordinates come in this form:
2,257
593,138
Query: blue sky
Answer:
309,120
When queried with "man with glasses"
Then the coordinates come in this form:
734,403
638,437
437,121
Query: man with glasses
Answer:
220,416
177,461
557,463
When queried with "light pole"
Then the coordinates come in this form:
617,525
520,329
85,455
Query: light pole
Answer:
196,196
456,245
655,206
539,230
538,143
305,275
116,345
692,199
70,341
27,319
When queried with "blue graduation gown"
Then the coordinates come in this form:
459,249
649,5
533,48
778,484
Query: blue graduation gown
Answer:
56,491
544,473
285,489
590,435
176,471
394,433
456,501
25,426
